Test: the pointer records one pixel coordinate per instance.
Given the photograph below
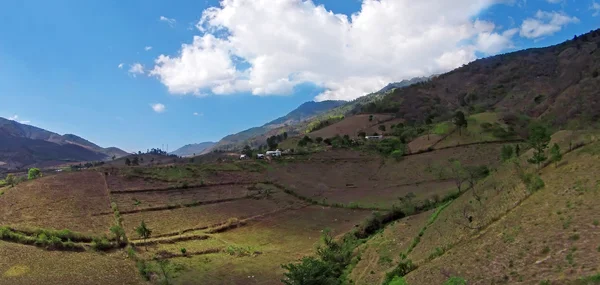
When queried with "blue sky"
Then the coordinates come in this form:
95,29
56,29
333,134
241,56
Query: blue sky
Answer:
59,61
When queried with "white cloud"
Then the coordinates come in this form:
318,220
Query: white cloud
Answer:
147,48
120,66
596,8
545,23
198,114
136,68
554,1
16,119
493,43
158,108
289,42
169,21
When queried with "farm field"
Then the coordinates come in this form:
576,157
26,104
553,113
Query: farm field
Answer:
24,265
352,125
62,201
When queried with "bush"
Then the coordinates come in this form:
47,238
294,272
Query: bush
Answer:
183,251
533,182
101,244
309,271
403,268
398,281
506,152
455,281
34,173
397,154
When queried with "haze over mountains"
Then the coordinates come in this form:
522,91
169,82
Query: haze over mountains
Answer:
192,149
23,145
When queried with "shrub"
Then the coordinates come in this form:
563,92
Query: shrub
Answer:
183,251
398,281
101,244
309,271
143,269
34,173
506,152
397,154
455,281
404,267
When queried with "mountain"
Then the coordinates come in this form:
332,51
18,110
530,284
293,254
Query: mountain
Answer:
191,149
302,113
558,84
403,83
23,145
307,110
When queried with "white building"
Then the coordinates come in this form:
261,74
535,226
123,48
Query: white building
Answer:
273,153
374,137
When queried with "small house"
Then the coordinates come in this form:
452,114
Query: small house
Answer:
260,156
243,156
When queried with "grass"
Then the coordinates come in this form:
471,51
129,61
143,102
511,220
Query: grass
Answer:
441,128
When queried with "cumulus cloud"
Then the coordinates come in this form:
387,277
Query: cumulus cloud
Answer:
170,21
135,69
158,108
595,8
147,48
545,23
268,47
120,66
16,119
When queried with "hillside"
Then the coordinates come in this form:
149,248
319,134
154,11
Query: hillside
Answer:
191,149
22,145
298,115
558,84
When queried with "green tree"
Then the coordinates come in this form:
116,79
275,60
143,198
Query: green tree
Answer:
285,135
428,125
381,128
518,150
127,161
555,154
362,134
10,180
506,152
539,138
119,233
460,121
459,173
143,231
309,271
247,151
370,118
135,161
33,173
319,139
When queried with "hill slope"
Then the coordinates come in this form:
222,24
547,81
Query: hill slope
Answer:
556,83
22,145
302,113
191,149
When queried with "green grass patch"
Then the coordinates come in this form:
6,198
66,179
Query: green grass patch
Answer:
442,128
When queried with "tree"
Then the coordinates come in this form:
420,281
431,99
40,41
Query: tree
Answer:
247,151
309,271
113,157
10,180
143,231
33,173
127,162
506,153
460,121
362,134
135,161
517,150
539,137
285,135
381,128
370,118
119,233
319,139
398,154
459,174
555,154
428,123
